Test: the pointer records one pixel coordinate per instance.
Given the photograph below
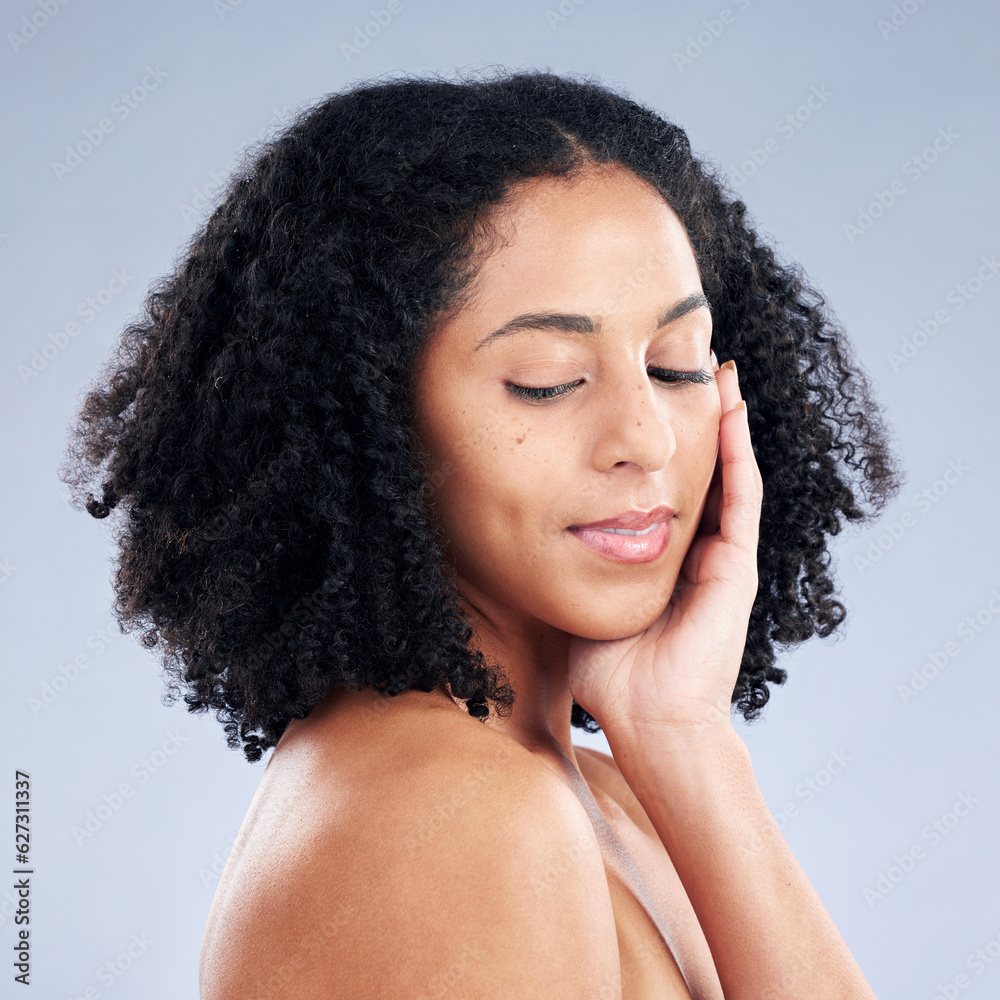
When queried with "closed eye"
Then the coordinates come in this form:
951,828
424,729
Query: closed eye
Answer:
665,375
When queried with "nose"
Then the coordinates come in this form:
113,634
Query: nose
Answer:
633,425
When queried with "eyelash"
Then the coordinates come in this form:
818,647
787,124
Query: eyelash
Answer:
700,377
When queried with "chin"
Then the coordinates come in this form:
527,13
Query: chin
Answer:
607,619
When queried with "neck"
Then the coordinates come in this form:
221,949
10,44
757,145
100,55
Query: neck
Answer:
533,655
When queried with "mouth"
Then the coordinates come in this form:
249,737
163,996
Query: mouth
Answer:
634,522
622,531
633,536
626,545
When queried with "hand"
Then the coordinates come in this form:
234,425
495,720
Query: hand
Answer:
682,669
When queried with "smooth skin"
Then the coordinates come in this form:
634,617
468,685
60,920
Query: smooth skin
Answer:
516,473
651,650
398,847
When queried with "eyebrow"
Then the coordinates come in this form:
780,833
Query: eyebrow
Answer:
579,323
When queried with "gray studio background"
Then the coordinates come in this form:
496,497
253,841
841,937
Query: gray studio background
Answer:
863,137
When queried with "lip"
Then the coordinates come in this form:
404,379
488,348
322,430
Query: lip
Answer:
626,548
637,520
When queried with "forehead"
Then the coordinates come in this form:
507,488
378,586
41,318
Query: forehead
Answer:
584,244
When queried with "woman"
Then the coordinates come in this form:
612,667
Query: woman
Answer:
427,457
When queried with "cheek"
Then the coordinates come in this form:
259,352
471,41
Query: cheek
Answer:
487,483
698,441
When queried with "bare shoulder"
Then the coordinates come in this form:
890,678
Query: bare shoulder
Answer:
440,857
601,771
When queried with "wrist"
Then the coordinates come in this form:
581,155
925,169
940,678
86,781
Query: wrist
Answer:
682,751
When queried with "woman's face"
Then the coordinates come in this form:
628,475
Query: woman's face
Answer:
509,477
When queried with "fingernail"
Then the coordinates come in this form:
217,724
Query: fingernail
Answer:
731,365
715,361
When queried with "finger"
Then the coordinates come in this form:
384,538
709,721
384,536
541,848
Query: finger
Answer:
729,386
712,507
739,521
713,501
730,394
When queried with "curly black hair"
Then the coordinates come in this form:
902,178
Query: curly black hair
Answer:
254,424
